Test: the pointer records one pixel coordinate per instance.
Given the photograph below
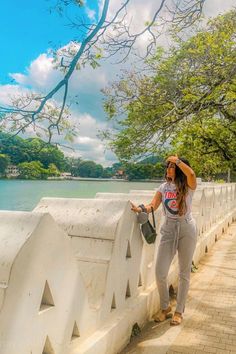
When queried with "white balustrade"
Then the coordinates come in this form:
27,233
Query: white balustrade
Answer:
76,274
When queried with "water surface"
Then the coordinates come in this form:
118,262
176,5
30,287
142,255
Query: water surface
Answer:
25,195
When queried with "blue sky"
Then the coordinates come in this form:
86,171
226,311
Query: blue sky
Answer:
27,32
27,29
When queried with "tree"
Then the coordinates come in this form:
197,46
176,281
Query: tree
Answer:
51,155
136,171
4,162
72,165
27,150
209,145
14,147
187,105
53,170
107,172
90,169
109,36
32,170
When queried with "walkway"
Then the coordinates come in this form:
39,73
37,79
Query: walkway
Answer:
209,324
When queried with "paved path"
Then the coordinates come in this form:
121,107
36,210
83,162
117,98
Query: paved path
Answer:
209,324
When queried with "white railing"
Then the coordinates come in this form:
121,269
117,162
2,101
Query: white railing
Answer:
75,274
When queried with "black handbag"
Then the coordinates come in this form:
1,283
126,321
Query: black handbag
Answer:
148,230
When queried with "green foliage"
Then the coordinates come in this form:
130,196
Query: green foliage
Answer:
144,171
53,170
32,170
27,150
152,159
94,63
35,170
187,105
107,172
208,144
79,168
14,147
4,162
220,180
90,169
73,165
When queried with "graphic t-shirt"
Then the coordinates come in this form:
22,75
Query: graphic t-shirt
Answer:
169,200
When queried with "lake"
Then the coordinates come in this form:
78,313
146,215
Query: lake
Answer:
25,195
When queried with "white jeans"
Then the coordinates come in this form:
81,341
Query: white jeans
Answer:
176,235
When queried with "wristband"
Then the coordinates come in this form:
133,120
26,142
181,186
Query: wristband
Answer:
143,208
177,162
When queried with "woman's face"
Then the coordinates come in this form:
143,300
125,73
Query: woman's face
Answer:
170,170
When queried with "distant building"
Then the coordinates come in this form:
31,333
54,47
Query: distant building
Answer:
12,171
66,175
120,174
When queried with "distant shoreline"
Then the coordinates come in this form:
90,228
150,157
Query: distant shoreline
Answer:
86,179
103,179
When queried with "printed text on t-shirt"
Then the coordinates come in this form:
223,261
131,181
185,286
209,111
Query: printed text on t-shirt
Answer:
170,195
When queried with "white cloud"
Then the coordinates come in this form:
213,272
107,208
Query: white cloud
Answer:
214,8
41,74
87,144
86,83
84,140
7,92
139,12
88,125
91,13
89,79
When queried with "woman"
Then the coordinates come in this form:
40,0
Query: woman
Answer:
178,233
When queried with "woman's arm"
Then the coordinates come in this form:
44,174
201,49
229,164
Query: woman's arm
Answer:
189,173
156,201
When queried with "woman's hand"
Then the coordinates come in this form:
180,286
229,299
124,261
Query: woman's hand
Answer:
186,169
135,208
172,159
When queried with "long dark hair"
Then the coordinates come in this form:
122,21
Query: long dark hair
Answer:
181,186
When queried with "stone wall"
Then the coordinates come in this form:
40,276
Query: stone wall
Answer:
76,275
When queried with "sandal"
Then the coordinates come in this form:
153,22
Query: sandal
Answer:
163,315
177,319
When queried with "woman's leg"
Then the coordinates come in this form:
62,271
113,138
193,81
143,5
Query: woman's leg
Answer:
164,258
186,247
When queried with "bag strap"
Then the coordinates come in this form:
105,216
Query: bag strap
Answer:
153,218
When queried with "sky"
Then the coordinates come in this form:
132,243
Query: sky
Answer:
30,29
